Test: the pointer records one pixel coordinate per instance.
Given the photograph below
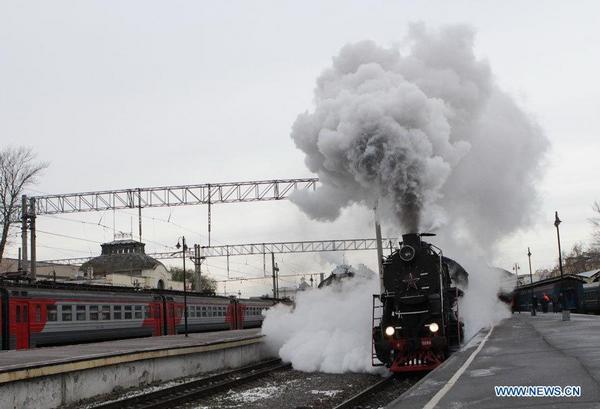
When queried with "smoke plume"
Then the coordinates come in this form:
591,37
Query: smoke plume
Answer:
426,133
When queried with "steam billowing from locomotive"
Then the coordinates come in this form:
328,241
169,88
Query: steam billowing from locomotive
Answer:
427,133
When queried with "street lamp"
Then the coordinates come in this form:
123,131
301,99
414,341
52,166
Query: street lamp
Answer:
516,268
184,248
531,283
565,314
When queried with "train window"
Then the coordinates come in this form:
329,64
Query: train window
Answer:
18,314
67,315
127,314
138,311
51,312
106,312
25,314
117,312
203,311
94,312
38,313
146,312
80,313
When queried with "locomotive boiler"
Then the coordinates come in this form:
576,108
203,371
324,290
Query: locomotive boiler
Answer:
415,318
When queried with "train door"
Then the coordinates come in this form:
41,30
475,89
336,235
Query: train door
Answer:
20,318
232,314
241,315
157,319
170,317
2,321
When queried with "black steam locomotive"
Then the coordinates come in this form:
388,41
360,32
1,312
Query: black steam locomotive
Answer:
419,323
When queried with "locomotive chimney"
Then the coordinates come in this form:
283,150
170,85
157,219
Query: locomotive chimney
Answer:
411,239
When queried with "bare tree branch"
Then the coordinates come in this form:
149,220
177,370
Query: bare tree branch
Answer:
595,221
18,169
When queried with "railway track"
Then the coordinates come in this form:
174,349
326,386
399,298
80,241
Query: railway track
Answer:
199,388
362,396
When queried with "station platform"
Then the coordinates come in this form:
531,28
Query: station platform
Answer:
521,351
57,376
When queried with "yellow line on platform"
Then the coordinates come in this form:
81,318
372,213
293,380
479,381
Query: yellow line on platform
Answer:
54,369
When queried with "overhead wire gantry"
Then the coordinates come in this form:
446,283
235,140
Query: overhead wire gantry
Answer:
164,196
199,253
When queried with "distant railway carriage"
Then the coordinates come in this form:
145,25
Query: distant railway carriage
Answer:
591,298
46,314
551,291
250,312
205,313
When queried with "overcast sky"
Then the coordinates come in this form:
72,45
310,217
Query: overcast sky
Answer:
146,93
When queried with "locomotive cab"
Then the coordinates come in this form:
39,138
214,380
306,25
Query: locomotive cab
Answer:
418,318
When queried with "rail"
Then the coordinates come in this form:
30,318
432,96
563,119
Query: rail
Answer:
171,396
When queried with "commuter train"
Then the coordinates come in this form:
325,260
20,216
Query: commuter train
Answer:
419,323
45,314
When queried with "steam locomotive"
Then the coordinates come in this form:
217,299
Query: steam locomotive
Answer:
415,318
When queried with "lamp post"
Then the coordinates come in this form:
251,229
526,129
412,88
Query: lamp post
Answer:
516,268
533,303
183,248
565,313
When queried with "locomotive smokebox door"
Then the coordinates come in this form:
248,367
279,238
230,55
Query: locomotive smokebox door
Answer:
413,240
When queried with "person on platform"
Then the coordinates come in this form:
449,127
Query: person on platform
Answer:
560,305
545,302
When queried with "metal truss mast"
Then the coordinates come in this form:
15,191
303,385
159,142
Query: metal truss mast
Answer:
165,196
283,247
291,247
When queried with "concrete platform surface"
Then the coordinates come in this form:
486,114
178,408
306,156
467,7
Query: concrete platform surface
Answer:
35,358
520,351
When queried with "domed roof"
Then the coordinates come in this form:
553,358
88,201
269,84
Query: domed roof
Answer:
121,256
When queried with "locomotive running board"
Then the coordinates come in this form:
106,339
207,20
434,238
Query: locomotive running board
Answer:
411,312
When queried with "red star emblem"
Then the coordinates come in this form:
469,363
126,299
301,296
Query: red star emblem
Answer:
411,281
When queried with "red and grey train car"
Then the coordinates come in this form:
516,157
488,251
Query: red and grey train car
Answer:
47,314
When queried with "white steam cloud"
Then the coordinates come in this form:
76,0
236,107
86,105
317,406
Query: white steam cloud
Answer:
328,330
429,136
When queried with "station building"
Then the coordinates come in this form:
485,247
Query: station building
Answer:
125,263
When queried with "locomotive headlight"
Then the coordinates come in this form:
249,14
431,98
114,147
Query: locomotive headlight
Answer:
389,331
433,327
